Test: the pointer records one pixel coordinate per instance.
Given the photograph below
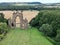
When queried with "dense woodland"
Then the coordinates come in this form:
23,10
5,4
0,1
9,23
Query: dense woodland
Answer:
48,22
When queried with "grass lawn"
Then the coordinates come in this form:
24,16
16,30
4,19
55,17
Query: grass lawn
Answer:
25,37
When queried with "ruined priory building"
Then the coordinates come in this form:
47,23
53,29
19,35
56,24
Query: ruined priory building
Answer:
19,18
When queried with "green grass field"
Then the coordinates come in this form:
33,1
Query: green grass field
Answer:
25,37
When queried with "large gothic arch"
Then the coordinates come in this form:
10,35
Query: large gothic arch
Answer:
23,22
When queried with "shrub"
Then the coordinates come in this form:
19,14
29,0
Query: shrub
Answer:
1,36
3,28
58,36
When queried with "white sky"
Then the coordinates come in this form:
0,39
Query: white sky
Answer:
42,1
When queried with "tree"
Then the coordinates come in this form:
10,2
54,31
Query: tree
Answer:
3,28
2,19
47,29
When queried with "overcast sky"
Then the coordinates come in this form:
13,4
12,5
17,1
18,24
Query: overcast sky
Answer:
42,1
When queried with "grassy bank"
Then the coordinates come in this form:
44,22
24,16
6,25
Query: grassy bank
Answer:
25,37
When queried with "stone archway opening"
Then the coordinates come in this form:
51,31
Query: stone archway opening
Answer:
17,22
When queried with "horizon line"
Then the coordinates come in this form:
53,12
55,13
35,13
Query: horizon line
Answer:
28,1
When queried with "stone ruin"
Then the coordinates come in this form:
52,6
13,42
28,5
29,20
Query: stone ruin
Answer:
23,22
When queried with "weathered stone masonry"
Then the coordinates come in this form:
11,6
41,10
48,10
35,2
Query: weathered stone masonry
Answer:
23,22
